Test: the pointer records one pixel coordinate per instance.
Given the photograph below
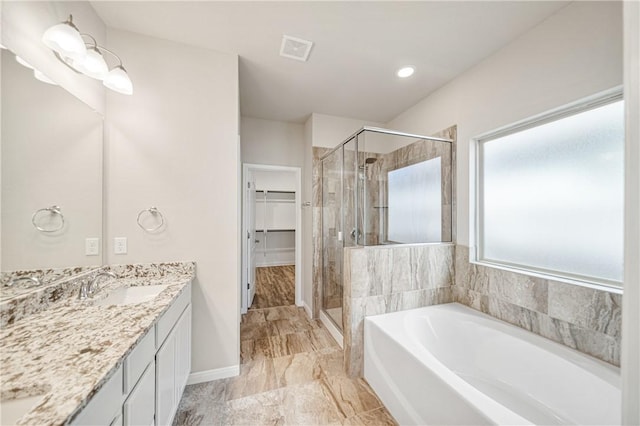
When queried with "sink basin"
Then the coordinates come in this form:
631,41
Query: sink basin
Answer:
132,295
11,410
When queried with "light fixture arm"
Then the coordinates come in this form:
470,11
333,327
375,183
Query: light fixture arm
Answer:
102,48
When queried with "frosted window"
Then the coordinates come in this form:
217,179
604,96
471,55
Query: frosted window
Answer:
551,197
415,203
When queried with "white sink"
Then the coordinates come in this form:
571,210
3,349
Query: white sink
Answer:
132,295
11,410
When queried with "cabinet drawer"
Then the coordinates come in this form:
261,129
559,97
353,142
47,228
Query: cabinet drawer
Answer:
139,409
169,318
106,404
138,359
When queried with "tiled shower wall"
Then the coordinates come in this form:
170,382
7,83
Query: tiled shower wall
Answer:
582,318
383,279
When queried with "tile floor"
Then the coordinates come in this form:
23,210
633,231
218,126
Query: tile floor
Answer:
291,374
275,286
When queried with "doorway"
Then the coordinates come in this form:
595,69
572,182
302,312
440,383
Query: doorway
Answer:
271,247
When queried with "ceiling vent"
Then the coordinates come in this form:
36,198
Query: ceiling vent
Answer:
295,48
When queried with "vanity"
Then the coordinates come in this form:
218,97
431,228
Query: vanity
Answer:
121,357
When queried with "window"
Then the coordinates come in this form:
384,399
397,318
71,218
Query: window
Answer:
415,203
550,194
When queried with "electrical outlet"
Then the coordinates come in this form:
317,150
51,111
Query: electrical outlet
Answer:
92,246
120,245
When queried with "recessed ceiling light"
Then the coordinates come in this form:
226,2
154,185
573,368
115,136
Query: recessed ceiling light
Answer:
405,72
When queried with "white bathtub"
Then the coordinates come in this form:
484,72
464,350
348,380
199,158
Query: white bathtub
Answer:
449,364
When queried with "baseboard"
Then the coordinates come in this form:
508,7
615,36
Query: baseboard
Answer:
308,310
215,374
333,330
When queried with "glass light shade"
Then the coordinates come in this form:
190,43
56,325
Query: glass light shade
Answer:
93,64
66,40
118,80
43,78
23,62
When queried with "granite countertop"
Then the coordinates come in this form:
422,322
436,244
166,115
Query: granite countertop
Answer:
68,351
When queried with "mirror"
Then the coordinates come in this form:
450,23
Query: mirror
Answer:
51,187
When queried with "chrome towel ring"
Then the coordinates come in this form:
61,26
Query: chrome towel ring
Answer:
54,210
155,212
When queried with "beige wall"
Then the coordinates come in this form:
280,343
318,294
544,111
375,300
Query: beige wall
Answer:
24,22
174,145
575,53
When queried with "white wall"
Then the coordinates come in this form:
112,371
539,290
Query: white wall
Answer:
327,131
24,22
51,155
575,53
271,142
631,300
174,145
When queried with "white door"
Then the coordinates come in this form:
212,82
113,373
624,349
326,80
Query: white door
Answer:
251,244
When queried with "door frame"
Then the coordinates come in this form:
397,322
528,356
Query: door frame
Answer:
246,167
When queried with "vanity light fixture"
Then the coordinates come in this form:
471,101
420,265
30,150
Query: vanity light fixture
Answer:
65,39
405,72
91,62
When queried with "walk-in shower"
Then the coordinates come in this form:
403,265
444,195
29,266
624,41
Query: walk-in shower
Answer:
381,187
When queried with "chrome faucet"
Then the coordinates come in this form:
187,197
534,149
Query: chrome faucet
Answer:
34,280
89,288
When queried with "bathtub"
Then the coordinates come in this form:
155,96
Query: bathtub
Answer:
449,364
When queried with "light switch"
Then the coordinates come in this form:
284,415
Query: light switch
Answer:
339,235
120,245
92,246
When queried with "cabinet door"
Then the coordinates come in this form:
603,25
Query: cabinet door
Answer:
106,404
165,381
139,409
183,351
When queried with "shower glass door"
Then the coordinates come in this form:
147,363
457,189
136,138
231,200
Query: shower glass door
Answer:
332,236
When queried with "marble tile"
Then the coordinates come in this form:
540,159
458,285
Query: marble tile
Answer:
353,395
296,369
256,330
400,269
275,286
311,404
586,307
253,317
378,417
519,289
331,362
261,409
202,404
255,377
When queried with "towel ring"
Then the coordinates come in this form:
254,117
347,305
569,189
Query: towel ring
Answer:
154,211
53,210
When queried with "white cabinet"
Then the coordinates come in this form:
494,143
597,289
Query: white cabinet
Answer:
105,406
139,408
173,363
147,388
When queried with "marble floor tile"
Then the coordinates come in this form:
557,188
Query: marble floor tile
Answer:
297,369
353,395
377,417
311,404
291,373
275,286
255,377
261,409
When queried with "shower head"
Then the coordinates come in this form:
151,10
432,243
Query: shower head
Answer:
370,160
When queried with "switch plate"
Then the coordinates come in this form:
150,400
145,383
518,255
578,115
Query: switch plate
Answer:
339,235
92,246
120,245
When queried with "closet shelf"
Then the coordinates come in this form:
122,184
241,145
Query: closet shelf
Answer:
276,192
276,230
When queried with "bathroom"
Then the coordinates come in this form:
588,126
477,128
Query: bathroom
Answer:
160,197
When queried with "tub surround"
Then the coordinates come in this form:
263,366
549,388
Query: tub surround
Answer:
383,279
68,351
582,318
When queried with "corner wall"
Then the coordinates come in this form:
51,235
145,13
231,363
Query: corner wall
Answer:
184,161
